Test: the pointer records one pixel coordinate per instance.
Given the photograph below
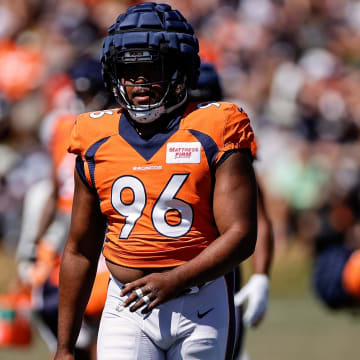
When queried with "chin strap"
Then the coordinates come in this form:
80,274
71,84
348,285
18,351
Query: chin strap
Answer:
146,114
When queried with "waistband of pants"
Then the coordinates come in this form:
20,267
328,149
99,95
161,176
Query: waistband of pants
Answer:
188,291
194,289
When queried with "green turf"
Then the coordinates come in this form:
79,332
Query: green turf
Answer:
296,327
300,328
37,351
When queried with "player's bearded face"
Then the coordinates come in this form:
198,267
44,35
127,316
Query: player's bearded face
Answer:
145,83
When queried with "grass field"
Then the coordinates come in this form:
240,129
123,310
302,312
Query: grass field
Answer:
297,327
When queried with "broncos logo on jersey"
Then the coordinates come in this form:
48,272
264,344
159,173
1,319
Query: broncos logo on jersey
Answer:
150,190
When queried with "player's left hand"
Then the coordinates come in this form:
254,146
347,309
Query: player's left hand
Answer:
256,293
151,290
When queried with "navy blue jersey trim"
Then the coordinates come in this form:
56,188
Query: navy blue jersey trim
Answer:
90,158
209,145
211,150
147,148
80,168
246,151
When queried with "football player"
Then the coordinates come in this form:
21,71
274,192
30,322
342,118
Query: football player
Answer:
256,291
336,265
39,252
173,188
336,277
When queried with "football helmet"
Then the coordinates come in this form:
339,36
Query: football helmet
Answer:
209,86
156,37
88,84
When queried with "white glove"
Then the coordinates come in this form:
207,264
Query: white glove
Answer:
256,293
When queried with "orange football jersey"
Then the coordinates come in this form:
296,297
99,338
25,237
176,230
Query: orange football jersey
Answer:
63,162
157,193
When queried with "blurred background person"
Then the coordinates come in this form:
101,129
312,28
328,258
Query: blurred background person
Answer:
47,211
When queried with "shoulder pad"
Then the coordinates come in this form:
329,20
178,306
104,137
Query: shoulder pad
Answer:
91,127
226,123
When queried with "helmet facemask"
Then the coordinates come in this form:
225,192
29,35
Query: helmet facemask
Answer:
147,84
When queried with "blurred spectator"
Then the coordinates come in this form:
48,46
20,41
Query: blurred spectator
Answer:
46,213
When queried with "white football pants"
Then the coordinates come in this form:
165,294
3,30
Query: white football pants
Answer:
195,326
